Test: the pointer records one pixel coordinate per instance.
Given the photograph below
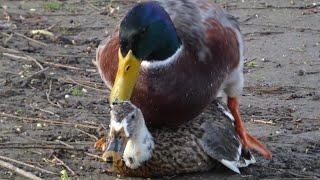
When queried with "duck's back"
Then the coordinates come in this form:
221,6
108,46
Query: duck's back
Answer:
205,143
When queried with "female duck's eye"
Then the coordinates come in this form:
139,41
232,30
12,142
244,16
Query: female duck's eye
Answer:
133,116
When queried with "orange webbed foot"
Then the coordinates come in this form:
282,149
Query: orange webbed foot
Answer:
251,142
248,141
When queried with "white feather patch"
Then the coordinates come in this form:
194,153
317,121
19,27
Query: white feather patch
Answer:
163,63
231,165
226,112
139,148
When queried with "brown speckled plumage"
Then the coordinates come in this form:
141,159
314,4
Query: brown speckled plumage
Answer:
181,150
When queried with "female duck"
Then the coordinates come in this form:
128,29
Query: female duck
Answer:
171,58
199,145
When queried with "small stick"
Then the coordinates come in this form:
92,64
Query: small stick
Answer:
19,171
66,166
93,6
62,66
46,111
90,135
83,85
41,147
8,39
30,39
48,121
103,126
263,122
28,165
48,96
86,153
26,81
35,61
92,155
27,58
63,143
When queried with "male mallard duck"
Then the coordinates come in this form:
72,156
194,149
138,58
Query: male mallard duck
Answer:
171,58
199,145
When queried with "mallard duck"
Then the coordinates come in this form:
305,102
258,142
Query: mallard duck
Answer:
199,145
172,58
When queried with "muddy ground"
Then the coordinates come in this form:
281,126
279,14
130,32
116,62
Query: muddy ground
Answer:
53,103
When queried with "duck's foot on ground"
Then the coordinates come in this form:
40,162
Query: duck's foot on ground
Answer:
101,144
251,142
248,141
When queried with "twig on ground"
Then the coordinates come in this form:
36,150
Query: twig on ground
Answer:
18,170
29,78
28,165
41,147
90,87
86,153
64,165
62,66
63,143
48,96
46,111
54,122
272,117
93,155
307,6
263,33
72,81
93,6
90,135
7,39
29,58
30,39
300,29
263,121
103,126
25,57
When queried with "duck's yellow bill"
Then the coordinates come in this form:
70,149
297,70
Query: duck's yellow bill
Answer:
126,79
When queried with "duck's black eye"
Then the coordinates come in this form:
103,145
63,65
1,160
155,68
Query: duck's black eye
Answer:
133,116
143,30
127,68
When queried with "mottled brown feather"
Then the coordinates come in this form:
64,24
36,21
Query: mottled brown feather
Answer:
186,148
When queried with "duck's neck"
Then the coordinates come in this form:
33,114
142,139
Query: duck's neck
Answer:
139,147
164,63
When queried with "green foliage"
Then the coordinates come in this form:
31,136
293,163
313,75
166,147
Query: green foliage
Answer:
251,64
52,6
64,175
77,91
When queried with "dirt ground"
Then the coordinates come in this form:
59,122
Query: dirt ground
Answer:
53,104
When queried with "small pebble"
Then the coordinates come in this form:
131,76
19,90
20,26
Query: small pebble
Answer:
39,126
301,72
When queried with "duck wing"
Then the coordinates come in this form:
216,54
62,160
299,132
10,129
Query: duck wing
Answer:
221,142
